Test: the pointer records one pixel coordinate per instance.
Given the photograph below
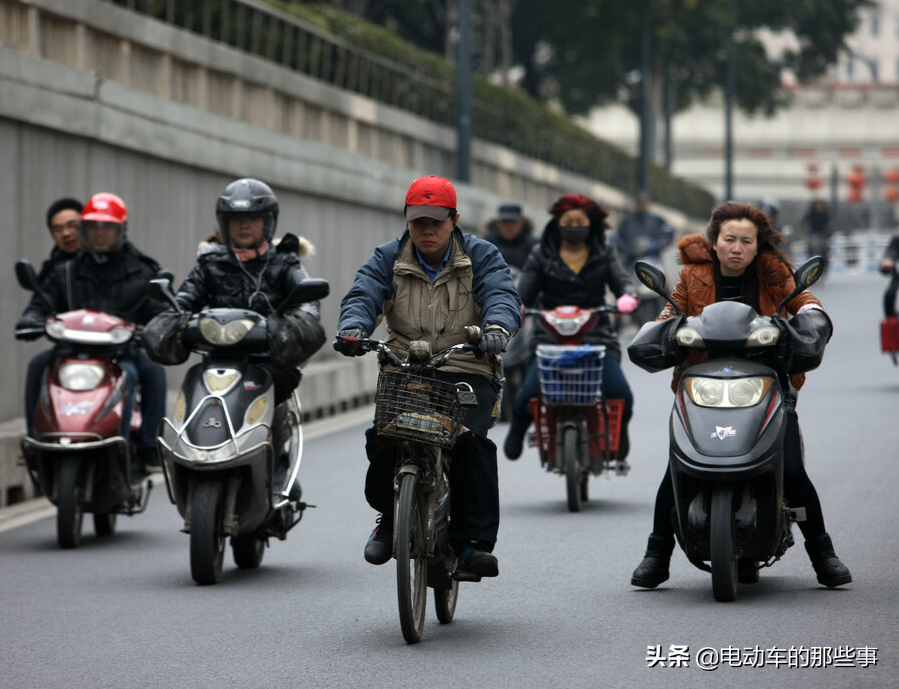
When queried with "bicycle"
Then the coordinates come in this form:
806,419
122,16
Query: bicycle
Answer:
424,415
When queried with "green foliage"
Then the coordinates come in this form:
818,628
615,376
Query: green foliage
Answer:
593,48
507,116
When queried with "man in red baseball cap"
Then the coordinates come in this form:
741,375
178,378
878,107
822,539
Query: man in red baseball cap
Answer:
429,284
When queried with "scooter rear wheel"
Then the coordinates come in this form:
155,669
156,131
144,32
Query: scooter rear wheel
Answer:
69,513
573,470
104,523
411,561
207,538
724,557
248,550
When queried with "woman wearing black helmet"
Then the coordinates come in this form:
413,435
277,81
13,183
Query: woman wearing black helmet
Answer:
249,270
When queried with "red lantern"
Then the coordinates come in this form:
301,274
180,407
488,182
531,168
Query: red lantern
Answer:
891,194
813,183
856,181
891,176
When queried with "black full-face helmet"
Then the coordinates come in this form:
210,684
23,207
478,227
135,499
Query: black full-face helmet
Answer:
247,197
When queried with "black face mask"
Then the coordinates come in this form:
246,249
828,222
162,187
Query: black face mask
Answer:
574,235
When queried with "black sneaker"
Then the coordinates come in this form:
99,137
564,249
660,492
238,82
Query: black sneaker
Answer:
478,561
379,548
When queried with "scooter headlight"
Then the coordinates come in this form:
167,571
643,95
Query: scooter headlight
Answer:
739,392
689,337
79,377
764,337
120,335
568,326
224,335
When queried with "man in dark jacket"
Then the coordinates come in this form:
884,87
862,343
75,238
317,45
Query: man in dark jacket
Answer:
642,234
429,284
63,217
109,275
512,233
888,266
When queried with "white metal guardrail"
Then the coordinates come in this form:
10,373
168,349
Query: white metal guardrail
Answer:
857,252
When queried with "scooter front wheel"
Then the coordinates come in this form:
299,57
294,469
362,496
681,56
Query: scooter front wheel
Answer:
573,469
411,561
207,538
724,558
69,513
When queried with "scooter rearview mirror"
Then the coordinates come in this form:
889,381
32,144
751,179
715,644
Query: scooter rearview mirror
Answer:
654,279
805,276
160,290
25,275
312,289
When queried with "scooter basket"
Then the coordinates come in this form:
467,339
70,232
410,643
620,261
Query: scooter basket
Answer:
570,375
416,408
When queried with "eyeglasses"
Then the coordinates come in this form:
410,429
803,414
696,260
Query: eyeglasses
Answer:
71,225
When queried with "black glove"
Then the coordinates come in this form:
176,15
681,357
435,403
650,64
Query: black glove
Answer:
784,351
29,328
494,339
351,347
163,338
293,338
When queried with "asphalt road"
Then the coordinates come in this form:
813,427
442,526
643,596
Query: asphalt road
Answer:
124,612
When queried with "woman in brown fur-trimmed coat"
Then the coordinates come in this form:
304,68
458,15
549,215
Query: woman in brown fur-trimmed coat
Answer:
739,260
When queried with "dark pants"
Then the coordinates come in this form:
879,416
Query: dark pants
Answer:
474,482
152,396
614,386
889,297
798,488
141,368
285,379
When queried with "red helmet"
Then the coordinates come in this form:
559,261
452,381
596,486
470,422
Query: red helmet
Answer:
105,207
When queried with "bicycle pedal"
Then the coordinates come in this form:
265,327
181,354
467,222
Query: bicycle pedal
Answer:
466,576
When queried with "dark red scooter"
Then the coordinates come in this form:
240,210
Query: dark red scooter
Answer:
78,457
576,429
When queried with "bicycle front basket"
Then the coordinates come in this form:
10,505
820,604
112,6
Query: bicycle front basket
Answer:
417,408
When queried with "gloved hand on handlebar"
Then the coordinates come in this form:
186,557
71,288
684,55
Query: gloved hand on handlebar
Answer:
29,328
494,339
352,346
627,303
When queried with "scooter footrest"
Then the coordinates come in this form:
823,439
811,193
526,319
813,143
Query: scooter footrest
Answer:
466,576
798,514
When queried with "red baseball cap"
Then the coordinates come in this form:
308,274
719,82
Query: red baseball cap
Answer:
430,197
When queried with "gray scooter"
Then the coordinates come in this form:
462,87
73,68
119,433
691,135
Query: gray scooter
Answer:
227,467
726,430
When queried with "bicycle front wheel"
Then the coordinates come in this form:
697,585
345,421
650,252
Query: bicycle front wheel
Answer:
411,561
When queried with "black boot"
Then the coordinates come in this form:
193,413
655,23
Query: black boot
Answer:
654,568
831,572
515,440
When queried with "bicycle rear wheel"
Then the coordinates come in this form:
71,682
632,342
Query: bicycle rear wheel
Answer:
445,602
411,563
